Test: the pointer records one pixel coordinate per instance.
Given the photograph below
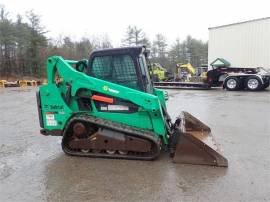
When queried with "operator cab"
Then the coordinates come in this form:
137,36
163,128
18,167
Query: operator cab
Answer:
123,66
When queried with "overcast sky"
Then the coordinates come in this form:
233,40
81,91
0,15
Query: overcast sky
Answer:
173,18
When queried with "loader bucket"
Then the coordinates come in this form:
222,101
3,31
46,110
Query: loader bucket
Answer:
196,144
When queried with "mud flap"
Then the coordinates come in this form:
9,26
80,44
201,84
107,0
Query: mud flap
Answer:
196,144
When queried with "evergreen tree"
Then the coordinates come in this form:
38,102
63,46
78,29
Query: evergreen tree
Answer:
159,50
37,42
135,37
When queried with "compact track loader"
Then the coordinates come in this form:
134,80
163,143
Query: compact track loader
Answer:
107,107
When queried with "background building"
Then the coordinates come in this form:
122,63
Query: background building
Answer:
244,44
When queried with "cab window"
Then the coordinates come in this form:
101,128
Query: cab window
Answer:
119,69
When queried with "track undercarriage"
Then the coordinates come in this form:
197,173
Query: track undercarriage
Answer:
93,137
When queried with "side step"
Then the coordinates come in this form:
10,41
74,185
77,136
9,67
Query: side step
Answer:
196,144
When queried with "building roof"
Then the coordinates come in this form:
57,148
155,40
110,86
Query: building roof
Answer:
237,23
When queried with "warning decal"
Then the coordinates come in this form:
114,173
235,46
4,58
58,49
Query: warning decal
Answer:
50,119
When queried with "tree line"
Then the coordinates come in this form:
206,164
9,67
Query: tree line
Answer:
189,50
24,47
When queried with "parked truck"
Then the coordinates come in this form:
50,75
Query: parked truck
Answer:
230,78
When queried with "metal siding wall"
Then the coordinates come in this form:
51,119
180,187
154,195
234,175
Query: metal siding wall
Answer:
243,45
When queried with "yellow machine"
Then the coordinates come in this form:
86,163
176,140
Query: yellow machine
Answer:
188,67
203,76
159,73
3,83
184,71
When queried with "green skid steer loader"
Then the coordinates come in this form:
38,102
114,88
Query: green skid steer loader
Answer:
107,107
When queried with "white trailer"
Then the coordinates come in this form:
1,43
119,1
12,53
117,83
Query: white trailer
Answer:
245,44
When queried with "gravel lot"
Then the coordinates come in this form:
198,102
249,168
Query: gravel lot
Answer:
34,168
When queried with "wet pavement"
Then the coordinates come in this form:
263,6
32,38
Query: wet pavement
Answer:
34,168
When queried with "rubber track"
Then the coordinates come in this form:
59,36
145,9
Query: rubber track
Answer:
129,130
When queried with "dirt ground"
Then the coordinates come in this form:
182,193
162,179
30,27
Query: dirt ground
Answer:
34,168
